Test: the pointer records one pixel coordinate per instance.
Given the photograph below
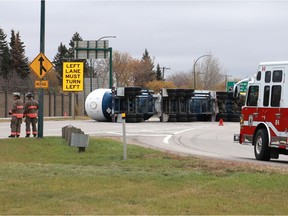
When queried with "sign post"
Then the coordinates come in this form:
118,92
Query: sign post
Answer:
41,65
41,92
124,136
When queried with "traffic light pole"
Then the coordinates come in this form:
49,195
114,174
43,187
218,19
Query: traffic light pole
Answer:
42,50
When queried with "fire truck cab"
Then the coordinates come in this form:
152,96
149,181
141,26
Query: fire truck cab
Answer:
264,117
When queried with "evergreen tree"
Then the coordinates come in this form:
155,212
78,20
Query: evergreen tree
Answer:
148,67
61,56
75,37
19,62
4,55
159,75
64,54
12,39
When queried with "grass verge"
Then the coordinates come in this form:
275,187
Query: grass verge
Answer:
46,176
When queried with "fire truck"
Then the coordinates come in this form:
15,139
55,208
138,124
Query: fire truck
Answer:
264,117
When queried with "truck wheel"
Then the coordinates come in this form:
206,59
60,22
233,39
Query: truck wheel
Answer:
261,149
131,120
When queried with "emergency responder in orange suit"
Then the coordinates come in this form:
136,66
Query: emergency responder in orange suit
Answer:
30,114
17,115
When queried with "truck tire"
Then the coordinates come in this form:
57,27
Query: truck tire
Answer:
221,95
189,93
130,93
133,91
171,93
261,149
180,93
131,120
191,117
139,117
172,119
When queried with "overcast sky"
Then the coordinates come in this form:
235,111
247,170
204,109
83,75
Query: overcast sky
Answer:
239,33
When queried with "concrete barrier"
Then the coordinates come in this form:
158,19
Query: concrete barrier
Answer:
80,140
75,137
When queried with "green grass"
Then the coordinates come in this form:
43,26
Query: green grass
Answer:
46,176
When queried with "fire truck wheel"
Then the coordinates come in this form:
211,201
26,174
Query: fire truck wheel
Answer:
261,149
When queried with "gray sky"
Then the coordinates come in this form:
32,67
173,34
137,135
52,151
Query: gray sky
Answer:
239,33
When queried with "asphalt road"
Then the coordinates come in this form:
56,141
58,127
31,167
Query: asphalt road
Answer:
205,139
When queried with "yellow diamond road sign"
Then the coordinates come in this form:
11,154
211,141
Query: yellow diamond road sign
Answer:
41,65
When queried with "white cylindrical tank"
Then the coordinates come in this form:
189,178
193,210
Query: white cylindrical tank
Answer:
98,104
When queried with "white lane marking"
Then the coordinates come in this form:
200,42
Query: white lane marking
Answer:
183,131
166,139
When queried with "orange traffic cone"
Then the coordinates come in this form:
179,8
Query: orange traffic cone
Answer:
221,123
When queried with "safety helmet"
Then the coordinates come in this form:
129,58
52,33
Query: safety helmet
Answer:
17,94
29,94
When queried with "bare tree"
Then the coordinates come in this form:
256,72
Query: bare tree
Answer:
101,72
157,85
181,79
16,83
141,74
99,69
123,68
210,73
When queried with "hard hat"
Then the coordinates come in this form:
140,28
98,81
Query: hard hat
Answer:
17,94
29,94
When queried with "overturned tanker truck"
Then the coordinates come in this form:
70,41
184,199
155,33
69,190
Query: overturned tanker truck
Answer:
170,105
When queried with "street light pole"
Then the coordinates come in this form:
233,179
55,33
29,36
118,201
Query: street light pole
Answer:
194,69
109,36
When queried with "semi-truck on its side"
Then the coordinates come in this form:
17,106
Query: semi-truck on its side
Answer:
170,105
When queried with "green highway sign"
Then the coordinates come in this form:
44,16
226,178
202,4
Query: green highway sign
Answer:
243,86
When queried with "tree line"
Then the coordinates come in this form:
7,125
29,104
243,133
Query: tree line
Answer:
127,71
14,68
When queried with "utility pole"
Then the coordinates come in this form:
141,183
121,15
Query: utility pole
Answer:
163,71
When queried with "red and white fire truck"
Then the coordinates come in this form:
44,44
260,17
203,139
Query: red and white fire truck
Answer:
264,117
